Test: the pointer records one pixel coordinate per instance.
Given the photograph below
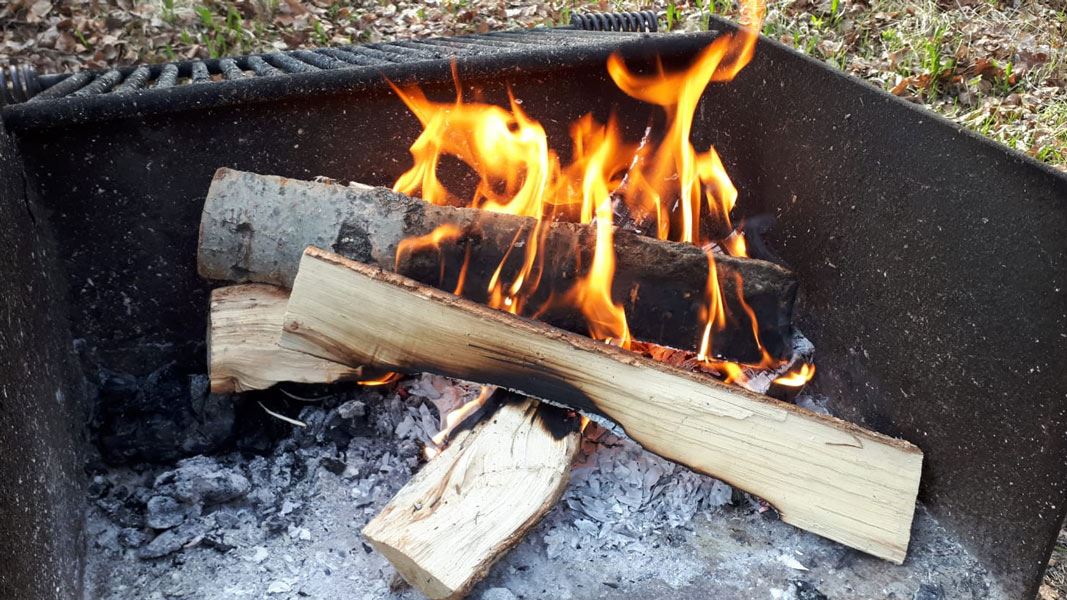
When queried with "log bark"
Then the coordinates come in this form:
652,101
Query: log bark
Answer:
243,352
468,506
822,474
255,227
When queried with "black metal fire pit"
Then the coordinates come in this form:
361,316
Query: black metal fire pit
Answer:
932,261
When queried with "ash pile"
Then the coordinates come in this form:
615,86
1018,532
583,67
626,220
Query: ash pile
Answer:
281,518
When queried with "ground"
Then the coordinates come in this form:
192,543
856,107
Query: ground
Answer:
997,67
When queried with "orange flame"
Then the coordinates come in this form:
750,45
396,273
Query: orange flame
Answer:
797,377
454,418
669,183
382,380
430,240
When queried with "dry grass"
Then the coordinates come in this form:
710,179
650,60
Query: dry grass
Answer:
999,68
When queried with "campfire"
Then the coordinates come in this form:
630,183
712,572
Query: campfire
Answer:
605,282
521,314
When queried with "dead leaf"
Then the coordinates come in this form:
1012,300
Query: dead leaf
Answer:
66,42
295,7
900,88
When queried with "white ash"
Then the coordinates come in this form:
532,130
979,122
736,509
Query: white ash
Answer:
287,524
620,493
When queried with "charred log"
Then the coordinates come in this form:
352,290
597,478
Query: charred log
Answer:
255,227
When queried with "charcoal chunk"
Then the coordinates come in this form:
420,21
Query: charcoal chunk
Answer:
202,479
173,540
164,512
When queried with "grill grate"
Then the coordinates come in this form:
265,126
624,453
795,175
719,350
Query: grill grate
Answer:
276,64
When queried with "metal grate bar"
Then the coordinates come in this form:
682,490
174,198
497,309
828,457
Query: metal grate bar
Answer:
345,57
289,64
65,87
230,70
409,52
319,60
168,77
134,81
460,46
350,57
262,67
200,72
101,84
376,54
564,36
435,51
477,40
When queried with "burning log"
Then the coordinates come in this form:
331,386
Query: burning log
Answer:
243,350
255,227
469,505
822,474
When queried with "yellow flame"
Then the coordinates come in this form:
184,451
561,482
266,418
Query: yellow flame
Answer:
455,417
797,377
517,172
382,380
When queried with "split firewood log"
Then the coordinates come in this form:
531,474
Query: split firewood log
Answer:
491,484
255,227
472,503
243,353
822,474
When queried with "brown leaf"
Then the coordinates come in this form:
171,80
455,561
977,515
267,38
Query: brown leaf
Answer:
66,42
295,7
901,88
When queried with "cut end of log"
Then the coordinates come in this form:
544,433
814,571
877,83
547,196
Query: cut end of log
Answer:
412,572
244,326
472,503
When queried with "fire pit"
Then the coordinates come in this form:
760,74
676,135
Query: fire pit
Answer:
892,220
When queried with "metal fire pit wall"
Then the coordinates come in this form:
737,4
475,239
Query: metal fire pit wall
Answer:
932,261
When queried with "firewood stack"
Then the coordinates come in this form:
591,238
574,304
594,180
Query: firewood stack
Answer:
321,292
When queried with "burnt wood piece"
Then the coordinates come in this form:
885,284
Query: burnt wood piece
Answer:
476,500
254,228
242,346
822,474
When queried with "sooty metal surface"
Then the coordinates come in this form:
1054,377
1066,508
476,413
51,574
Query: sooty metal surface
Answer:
938,313
42,409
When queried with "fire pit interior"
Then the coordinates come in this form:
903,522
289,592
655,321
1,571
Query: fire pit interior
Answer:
576,178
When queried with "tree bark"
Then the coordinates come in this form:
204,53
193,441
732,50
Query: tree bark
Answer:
255,227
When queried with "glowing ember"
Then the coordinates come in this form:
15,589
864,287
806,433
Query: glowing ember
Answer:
382,380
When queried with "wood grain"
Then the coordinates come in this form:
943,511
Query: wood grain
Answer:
822,474
468,506
243,352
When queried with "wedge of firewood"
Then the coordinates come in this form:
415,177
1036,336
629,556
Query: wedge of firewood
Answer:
473,502
822,474
254,228
243,352
518,460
